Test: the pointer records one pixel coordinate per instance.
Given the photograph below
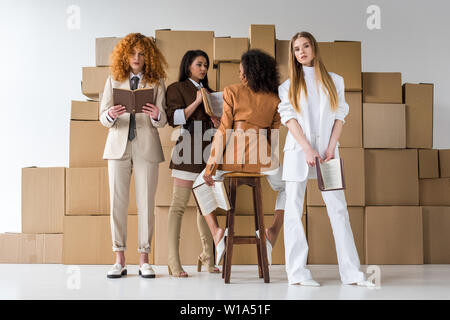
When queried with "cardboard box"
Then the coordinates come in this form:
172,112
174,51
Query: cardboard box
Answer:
87,143
282,134
84,110
352,136
322,248
344,59
190,243
428,163
168,135
103,49
229,49
174,44
444,163
164,190
419,115
228,74
384,125
30,248
435,192
87,240
87,192
391,177
212,78
247,253
382,87
262,36
394,235
43,192
436,238
93,81
282,57
354,179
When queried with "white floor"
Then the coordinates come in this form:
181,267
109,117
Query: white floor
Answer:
46,281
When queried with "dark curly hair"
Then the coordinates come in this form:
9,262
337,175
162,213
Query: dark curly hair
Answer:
261,71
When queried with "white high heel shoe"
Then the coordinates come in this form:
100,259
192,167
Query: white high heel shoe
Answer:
309,283
220,248
269,248
365,283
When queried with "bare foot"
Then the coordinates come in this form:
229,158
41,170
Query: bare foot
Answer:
218,236
143,259
120,258
271,236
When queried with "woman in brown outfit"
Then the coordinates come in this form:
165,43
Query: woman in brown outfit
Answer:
185,108
249,109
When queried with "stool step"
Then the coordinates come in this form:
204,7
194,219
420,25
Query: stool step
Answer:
245,240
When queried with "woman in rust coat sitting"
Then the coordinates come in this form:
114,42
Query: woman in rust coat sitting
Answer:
249,113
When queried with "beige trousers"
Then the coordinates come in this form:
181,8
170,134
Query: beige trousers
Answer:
146,180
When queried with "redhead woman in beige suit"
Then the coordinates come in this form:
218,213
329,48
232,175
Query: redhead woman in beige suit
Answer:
133,144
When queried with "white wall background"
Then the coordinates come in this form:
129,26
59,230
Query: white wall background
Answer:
41,59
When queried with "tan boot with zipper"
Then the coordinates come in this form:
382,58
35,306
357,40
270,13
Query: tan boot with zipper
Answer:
206,258
180,198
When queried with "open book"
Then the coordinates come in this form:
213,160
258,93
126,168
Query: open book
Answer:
212,102
330,174
133,100
209,198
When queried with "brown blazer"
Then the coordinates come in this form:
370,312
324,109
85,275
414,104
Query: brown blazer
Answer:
246,110
180,95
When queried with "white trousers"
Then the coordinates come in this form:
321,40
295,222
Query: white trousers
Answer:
296,245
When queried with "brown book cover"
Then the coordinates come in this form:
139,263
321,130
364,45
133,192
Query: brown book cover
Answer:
206,102
133,100
320,181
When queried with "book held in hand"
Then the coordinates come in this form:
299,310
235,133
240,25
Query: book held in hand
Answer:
209,198
212,102
330,175
132,100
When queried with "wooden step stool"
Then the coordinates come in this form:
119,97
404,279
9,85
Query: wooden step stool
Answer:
254,181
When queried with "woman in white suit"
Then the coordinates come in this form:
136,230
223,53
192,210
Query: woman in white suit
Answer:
313,107
133,144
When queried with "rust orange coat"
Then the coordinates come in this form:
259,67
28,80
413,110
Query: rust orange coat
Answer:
253,111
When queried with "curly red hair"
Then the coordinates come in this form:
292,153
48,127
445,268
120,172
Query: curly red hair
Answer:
154,65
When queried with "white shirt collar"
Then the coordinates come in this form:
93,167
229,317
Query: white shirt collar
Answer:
139,75
310,71
197,85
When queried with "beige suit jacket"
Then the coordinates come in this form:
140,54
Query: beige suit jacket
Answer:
147,136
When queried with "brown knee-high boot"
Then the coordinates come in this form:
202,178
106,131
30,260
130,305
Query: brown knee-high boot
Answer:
180,198
206,258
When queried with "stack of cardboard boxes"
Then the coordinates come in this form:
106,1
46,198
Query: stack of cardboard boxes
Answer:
397,197
397,185
41,240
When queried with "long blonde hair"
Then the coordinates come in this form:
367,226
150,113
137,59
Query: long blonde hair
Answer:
297,76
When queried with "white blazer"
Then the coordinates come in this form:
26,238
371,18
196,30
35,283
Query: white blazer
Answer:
148,142
295,167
